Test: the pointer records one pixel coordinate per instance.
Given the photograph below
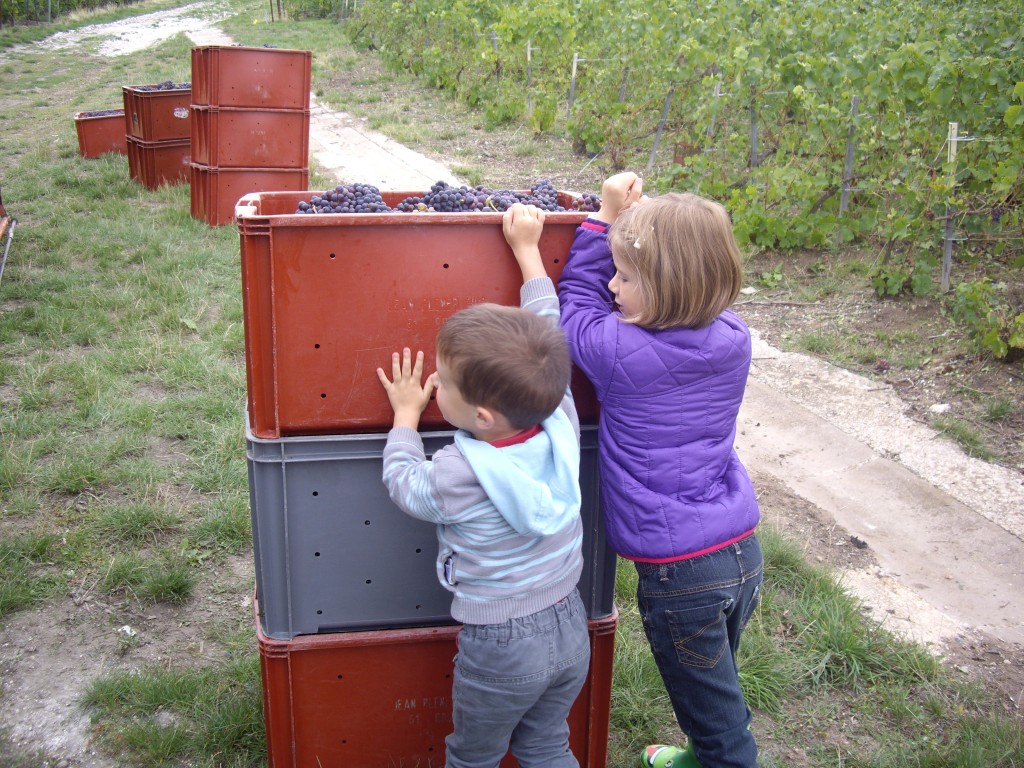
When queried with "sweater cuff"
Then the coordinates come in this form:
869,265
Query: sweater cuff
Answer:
594,224
536,289
405,435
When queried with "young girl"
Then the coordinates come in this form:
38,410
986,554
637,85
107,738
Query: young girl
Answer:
645,299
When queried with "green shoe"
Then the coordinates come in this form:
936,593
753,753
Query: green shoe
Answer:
662,756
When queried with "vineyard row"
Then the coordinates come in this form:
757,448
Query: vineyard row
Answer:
813,124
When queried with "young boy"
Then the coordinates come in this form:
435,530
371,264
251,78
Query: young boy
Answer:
506,500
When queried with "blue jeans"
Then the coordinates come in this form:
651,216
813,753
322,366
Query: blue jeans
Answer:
514,686
694,612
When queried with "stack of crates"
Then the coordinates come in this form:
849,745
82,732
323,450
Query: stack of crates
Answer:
356,638
250,125
156,120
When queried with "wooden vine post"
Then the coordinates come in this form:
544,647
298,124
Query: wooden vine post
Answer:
497,56
847,182
844,199
710,133
716,95
529,79
947,239
661,127
754,159
572,81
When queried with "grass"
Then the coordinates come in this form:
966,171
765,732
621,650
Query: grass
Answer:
214,714
122,385
998,408
964,434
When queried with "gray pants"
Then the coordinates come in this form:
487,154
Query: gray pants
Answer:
514,686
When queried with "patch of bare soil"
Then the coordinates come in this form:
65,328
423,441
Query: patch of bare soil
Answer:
51,655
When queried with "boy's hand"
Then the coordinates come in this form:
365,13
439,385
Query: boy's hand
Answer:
618,193
522,225
408,397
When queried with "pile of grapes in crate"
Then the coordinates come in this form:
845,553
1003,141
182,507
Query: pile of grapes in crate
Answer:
167,85
101,113
443,198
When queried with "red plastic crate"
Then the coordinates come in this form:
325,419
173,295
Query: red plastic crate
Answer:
216,190
155,163
247,76
157,115
239,137
383,698
101,131
328,297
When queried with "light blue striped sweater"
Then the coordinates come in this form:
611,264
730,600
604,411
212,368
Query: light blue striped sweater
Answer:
508,519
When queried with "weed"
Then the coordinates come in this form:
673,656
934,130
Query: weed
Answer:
997,409
772,278
171,580
818,343
114,521
963,434
18,554
471,173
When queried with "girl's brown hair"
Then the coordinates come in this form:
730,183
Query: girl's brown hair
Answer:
686,259
508,359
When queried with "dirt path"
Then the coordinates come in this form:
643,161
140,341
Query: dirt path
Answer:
947,527
931,541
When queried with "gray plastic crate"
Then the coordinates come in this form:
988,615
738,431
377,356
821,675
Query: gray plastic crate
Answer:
333,552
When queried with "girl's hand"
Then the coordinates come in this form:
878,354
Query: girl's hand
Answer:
618,193
407,396
522,225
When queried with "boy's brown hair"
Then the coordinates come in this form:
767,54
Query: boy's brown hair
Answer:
507,359
686,259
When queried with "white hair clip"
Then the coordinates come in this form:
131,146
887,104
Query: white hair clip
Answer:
636,243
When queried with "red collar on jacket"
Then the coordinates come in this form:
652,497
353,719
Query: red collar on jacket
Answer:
519,437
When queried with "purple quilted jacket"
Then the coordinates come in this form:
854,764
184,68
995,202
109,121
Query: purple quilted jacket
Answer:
672,485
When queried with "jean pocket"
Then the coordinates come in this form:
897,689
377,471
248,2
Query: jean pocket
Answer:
699,634
750,607
521,661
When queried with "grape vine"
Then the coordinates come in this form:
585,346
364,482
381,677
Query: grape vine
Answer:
757,98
